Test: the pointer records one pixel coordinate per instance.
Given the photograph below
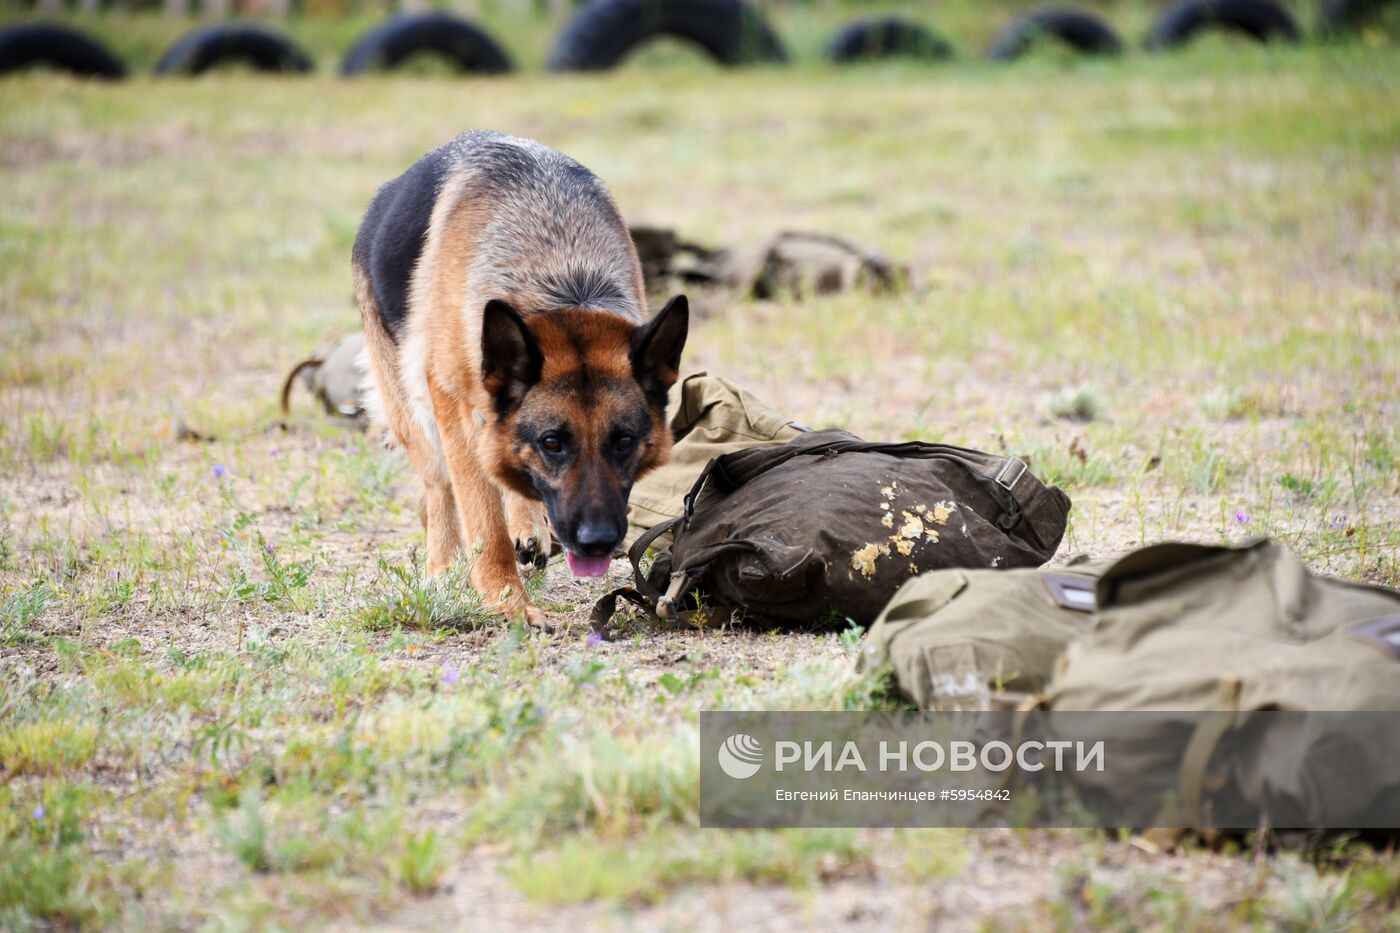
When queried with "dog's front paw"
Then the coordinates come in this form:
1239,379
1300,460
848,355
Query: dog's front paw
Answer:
528,524
530,553
533,617
529,615
512,603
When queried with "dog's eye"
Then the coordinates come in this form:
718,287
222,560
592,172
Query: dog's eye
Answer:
552,443
625,442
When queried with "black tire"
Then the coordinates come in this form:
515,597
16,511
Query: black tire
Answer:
209,46
886,37
1083,32
59,47
387,45
1261,20
604,31
1345,15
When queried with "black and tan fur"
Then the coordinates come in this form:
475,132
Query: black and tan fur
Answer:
504,315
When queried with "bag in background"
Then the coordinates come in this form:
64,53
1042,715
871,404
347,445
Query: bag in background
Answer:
1207,638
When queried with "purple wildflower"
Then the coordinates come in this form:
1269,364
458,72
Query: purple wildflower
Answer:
595,639
39,813
450,675
1241,518
271,548
220,471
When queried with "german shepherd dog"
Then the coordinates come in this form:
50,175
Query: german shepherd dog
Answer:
510,356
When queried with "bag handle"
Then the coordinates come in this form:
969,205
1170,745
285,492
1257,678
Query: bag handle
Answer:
638,550
286,398
641,593
648,597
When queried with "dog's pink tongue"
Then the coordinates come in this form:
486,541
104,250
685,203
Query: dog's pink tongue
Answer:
587,566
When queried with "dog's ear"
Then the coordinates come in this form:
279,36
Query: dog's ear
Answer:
656,349
510,357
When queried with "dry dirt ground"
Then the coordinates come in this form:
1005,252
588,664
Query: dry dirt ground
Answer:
229,698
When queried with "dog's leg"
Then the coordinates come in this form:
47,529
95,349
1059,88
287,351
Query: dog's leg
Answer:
528,524
493,575
391,409
441,524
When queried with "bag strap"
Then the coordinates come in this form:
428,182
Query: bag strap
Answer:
699,484
635,554
606,607
642,593
307,363
1195,759
1002,476
646,596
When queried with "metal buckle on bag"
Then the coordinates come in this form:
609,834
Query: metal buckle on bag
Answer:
1071,591
1002,479
666,605
1382,633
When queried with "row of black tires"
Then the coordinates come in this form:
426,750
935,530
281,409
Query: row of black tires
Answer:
603,32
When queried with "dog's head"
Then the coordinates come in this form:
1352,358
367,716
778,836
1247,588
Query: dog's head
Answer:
580,404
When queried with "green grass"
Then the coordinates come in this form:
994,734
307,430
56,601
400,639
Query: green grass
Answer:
19,610
47,746
1167,281
649,868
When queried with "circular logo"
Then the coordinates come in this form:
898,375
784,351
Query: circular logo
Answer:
740,756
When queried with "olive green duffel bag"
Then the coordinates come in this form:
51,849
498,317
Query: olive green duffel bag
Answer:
1209,643
1185,626
1171,626
1238,633
980,639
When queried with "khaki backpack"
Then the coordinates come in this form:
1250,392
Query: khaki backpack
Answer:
709,417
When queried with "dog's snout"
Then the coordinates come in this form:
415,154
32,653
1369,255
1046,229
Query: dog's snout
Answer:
597,537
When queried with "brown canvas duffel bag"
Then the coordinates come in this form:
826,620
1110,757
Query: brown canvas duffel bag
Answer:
827,526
